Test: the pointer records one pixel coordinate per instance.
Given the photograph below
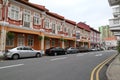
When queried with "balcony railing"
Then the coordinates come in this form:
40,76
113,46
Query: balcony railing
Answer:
114,24
114,2
116,11
116,33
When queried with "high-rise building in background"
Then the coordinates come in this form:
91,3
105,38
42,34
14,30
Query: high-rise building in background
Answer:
114,23
108,40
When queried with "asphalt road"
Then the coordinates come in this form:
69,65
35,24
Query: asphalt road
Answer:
64,67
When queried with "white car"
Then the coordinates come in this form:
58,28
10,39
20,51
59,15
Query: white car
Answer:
22,51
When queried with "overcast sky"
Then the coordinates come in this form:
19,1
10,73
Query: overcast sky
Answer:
94,12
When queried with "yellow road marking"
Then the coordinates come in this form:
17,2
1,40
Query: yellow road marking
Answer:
97,73
97,67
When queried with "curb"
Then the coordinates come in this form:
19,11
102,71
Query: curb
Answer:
109,67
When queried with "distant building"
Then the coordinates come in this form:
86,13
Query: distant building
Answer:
110,42
107,37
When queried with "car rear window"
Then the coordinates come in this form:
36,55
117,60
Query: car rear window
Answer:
20,48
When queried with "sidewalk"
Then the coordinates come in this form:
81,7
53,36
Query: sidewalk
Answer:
113,71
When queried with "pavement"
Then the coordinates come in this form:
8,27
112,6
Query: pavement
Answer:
113,71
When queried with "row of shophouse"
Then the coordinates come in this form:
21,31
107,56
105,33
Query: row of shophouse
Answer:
29,24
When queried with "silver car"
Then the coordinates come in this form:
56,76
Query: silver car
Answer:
22,51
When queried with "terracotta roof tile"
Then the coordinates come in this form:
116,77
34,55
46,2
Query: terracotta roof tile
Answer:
70,21
94,30
33,5
111,38
83,26
55,15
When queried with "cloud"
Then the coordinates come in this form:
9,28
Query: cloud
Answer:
95,12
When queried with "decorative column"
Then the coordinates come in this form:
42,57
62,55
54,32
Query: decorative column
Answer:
3,25
63,45
42,43
3,39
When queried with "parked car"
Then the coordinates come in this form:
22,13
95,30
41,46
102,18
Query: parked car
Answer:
93,49
22,51
55,51
83,49
71,50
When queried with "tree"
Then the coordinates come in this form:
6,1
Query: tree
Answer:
118,47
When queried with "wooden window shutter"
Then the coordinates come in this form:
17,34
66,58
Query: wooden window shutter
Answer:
20,15
9,12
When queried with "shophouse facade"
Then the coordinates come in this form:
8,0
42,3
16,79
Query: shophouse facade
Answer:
84,31
94,38
25,23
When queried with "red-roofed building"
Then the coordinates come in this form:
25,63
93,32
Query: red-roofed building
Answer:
94,38
32,25
84,32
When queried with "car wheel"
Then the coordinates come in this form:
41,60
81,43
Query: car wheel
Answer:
55,54
65,53
15,57
38,55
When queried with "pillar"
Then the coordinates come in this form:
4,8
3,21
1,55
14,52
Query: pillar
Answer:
63,45
42,43
3,39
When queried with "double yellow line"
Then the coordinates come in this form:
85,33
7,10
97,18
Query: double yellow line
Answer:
96,70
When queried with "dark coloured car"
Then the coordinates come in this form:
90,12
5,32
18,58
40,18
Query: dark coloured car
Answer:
53,51
72,50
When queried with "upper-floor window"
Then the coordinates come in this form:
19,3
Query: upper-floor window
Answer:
14,12
47,23
59,27
64,29
53,27
69,32
73,31
26,18
36,19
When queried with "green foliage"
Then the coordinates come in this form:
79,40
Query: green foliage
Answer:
10,35
65,40
118,47
40,37
47,38
61,39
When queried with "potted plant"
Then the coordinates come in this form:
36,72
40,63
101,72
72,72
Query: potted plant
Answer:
61,39
10,35
40,37
65,40
46,38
